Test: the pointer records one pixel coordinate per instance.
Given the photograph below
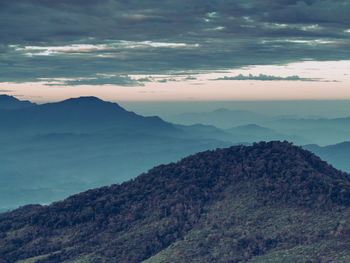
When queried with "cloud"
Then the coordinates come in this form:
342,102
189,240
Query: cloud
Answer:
74,39
99,80
190,78
263,77
5,90
167,80
149,79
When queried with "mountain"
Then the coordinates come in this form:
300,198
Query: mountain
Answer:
54,150
269,202
83,114
254,133
321,131
206,131
316,131
243,134
337,155
251,128
222,118
11,103
50,167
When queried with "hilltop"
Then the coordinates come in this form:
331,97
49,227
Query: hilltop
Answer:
270,201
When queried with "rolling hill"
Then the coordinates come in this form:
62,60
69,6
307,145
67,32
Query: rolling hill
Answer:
269,202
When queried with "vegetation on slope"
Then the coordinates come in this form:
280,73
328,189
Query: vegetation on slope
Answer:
259,203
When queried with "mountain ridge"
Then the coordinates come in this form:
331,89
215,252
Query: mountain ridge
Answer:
8,102
222,118
157,211
81,143
80,114
337,154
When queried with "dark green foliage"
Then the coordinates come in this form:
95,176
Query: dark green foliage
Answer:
215,206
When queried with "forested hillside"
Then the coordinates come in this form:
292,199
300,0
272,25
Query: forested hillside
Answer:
270,202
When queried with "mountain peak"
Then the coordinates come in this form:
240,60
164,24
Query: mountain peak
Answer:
4,97
89,103
85,99
230,192
10,103
82,114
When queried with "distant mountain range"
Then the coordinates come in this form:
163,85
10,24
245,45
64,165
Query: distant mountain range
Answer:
84,114
11,103
321,131
52,150
255,133
270,202
337,155
221,118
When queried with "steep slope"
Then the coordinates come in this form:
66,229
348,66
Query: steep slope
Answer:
260,203
10,103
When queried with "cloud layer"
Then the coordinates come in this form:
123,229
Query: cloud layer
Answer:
263,77
99,79
79,39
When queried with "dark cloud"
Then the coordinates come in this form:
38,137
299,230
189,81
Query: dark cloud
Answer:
263,77
145,79
167,80
190,78
77,39
100,80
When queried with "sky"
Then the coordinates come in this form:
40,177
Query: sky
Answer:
168,50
